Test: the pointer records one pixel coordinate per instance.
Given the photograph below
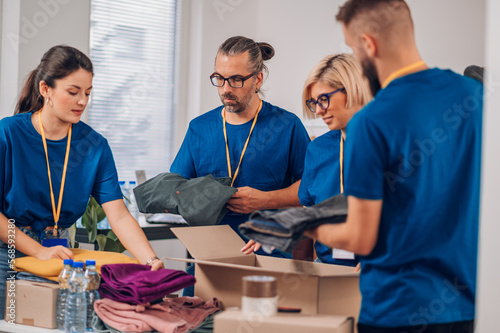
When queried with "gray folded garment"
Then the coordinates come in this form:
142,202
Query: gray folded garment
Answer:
200,201
283,229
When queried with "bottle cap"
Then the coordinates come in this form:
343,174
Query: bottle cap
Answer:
77,264
68,261
90,263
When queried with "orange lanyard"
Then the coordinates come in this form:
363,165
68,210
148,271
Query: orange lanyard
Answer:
402,71
55,212
341,158
244,148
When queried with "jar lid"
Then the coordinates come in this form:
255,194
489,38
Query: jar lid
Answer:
259,286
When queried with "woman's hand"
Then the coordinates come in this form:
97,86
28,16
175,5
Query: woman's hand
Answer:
251,246
157,264
54,252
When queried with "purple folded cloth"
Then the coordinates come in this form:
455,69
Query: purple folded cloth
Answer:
137,284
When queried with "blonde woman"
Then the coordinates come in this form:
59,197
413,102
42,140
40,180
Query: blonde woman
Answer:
334,90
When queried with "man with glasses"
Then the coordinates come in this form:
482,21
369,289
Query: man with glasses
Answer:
260,146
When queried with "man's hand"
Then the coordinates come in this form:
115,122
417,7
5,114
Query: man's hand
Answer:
247,200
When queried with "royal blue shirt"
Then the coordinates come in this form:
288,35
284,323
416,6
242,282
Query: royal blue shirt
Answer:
320,181
24,183
274,158
417,147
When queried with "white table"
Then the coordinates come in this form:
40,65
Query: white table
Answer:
17,328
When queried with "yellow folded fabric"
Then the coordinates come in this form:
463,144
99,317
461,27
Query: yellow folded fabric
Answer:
50,269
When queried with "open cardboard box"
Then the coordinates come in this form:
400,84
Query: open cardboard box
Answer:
315,288
234,321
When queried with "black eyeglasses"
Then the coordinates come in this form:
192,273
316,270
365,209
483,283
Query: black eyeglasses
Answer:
235,81
323,101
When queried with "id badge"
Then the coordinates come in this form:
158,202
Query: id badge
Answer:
342,254
50,240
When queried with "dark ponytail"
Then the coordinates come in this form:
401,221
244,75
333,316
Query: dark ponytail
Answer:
57,63
259,52
267,50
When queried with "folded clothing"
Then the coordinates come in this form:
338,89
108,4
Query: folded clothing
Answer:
138,284
284,228
200,201
175,315
50,269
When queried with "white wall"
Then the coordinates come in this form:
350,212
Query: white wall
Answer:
32,28
488,292
450,34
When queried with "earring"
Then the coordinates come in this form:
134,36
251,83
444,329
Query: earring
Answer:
256,90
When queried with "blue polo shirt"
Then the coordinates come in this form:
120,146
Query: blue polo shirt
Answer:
417,147
24,184
274,158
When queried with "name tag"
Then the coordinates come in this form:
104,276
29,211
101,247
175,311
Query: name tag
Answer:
342,254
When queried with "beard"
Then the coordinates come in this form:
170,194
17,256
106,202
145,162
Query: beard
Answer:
370,72
236,105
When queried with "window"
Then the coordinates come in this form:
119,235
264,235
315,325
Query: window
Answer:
133,49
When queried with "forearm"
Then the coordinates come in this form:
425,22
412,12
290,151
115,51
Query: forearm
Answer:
360,231
12,235
336,236
284,198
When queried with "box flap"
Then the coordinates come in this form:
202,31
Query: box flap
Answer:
232,321
211,242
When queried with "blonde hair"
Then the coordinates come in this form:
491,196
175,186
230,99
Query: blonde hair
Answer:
338,71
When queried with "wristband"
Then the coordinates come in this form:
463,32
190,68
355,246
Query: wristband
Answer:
150,260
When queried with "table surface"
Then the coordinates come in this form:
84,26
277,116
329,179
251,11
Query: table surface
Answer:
18,328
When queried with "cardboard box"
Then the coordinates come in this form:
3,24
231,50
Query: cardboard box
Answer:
31,303
234,321
315,288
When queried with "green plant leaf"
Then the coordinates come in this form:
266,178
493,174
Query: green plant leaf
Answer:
101,241
114,243
93,215
72,235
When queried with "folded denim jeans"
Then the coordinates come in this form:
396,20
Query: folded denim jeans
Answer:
283,229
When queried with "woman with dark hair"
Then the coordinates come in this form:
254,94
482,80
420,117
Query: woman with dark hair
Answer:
53,163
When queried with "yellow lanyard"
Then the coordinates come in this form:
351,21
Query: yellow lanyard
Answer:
402,71
244,148
55,212
341,158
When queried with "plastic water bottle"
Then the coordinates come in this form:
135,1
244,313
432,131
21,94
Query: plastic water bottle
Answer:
76,303
63,292
133,209
93,280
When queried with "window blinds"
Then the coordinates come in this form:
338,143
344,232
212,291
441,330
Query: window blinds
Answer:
133,49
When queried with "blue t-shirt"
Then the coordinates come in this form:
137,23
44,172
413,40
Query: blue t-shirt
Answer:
320,181
417,146
274,158
24,183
